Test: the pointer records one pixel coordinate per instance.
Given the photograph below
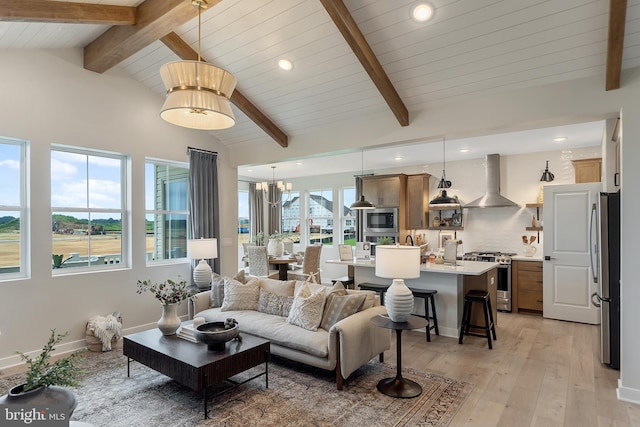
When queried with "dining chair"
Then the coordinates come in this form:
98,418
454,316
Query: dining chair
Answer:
310,265
259,262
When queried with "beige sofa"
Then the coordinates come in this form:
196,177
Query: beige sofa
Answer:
347,344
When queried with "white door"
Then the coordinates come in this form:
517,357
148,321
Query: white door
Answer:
570,234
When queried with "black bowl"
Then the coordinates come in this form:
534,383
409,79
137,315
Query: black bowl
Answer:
214,335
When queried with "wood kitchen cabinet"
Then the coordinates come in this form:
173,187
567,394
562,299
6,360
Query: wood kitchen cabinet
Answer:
588,170
385,191
526,286
417,201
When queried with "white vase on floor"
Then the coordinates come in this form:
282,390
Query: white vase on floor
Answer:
169,322
398,300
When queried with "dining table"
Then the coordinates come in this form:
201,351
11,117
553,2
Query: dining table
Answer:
282,262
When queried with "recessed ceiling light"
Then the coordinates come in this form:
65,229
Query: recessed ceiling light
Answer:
422,12
299,163
249,170
560,139
285,64
397,158
464,150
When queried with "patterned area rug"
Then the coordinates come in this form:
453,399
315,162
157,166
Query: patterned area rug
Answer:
297,396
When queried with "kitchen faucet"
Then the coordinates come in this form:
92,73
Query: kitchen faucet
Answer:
408,238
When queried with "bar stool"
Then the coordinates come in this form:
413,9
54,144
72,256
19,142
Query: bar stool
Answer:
489,326
428,296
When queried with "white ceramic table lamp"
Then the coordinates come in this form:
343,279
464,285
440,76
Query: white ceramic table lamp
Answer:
202,249
398,263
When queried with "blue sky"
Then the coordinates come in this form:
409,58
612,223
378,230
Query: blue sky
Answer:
9,174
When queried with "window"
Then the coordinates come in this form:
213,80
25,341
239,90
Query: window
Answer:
13,209
88,209
291,214
348,217
166,201
321,217
244,232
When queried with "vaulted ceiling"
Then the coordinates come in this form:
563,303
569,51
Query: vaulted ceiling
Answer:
351,57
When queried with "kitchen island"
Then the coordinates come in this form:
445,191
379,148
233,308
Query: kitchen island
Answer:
451,281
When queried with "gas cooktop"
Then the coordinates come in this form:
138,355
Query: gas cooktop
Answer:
489,256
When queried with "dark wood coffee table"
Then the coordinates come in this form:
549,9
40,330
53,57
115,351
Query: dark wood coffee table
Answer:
191,364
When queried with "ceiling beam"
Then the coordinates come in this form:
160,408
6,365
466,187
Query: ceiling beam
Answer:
65,12
354,37
155,18
615,45
184,51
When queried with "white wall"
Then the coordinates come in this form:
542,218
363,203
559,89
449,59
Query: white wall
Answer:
47,97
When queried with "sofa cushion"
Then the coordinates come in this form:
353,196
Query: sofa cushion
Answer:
271,303
278,287
306,310
240,296
370,300
217,290
275,329
339,307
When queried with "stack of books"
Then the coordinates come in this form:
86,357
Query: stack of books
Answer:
186,332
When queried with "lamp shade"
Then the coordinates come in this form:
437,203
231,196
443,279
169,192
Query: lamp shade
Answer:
198,95
397,262
362,204
202,248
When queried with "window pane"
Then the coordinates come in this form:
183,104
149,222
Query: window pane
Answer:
68,179
321,217
349,217
291,215
9,242
166,202
10,174
166,236
104,182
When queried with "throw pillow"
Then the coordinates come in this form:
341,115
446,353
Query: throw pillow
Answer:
306,310
336,289
240,296
217,290
271,303
340,307
314,287
277,287
240,276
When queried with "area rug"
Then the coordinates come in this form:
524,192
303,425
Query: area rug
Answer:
297,396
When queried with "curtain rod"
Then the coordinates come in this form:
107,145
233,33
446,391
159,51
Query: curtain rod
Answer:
202,150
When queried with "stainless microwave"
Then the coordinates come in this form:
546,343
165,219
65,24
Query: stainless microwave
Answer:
381,220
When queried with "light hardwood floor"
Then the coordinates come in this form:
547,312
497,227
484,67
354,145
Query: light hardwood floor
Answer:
541,372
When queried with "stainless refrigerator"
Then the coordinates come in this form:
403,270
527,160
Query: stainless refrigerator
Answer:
608,297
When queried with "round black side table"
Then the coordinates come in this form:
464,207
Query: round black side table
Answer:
399,386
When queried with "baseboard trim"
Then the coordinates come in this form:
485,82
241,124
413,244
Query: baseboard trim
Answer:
626,394
63,349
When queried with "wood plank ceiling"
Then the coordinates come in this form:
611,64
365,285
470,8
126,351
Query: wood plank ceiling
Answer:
350,59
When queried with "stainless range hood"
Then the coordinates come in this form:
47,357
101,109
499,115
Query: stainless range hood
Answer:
492,198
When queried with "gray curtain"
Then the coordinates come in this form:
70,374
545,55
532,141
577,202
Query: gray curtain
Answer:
256,210
204,206
275,209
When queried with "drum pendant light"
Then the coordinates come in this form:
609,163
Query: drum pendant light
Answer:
362,203
197,93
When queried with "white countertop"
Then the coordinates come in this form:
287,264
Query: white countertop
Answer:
470,268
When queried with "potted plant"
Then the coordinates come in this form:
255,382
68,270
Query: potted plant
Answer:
170,294
45,381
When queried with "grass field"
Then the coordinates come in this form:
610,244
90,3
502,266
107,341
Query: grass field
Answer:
10,246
